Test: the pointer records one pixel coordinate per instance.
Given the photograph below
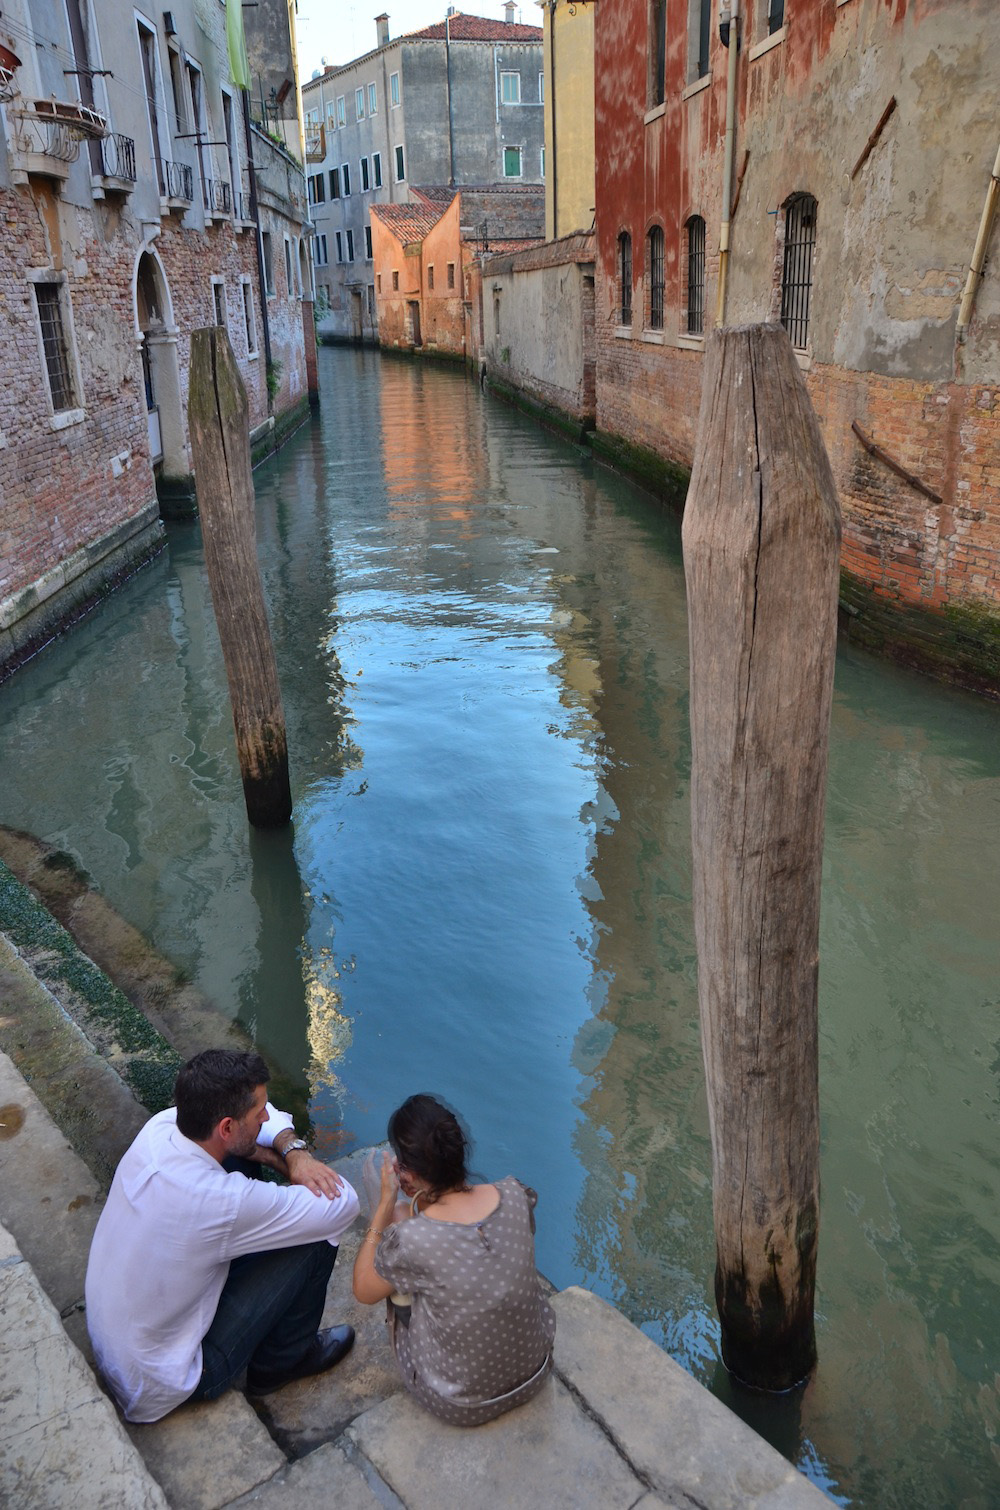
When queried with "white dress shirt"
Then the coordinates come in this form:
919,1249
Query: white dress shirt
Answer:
160,1256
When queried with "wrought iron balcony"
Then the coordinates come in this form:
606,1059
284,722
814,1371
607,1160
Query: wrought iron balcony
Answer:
315,144
217,195
176,180
118,157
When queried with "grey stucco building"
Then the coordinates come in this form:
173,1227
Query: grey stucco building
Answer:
459,103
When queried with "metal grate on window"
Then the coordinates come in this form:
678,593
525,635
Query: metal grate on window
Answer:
796,274
656,278
57,363
696,276
625,276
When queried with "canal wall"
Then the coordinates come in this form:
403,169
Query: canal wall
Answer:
533,327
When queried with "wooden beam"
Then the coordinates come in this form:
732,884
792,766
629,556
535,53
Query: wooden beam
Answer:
218,416
761,540
870,143
894,466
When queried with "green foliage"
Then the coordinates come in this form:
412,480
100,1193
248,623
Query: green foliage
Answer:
274,373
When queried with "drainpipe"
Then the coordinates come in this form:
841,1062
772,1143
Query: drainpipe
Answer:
451,116
979,255
255,217
729,154
552,106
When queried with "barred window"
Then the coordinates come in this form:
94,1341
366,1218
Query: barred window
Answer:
696,276
656,278
796,273
58,364
625,278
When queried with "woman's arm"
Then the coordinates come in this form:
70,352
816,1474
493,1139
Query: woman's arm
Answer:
370,1287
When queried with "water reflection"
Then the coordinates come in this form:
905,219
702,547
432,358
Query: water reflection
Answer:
482,647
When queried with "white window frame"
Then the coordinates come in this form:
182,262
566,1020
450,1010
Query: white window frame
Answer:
219,282
249,318
541,89
345,180
350,244
359,103
368,242
512,147
267,257
372,99
288,266
376,170
341,110
60,419
399,157
394,92
340,245
506,74
366,177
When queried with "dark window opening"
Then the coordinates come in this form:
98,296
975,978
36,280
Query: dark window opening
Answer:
796,272
696,276
57,359
625,277
656,282
775,16
658,51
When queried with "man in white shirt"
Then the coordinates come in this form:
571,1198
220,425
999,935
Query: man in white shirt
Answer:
196,1273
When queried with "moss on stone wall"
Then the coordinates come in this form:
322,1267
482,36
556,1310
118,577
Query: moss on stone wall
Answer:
667,479
143,1059
546,414
960,644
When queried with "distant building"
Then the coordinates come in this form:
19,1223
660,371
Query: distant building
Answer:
127,223
459,103
422,253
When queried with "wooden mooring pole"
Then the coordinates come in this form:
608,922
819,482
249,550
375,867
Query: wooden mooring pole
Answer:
218,416
761,547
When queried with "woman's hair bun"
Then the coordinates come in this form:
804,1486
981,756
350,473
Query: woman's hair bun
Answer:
430,1142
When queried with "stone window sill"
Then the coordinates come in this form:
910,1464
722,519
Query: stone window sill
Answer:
698,86
774,40
623,332
654,337
691,343
804,359
67,417
655,114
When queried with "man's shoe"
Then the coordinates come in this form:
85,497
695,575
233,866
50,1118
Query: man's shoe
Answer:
326,1349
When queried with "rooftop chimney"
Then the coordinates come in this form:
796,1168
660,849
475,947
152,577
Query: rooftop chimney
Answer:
382,30
509,10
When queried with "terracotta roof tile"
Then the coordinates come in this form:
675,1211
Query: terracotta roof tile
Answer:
407,222
478,29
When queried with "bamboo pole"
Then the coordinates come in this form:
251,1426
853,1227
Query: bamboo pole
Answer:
218,417
761,545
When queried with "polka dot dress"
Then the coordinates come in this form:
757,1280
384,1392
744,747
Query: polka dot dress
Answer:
480,1333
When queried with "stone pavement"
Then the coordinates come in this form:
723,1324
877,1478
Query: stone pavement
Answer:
618,1425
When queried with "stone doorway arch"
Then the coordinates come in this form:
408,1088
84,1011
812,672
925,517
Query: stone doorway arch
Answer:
156,335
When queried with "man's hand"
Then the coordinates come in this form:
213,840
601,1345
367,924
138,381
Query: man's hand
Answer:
303,1169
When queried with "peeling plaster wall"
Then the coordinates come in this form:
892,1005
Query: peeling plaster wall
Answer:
892,248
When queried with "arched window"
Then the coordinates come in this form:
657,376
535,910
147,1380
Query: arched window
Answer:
796,272
625,278
696,276
655,240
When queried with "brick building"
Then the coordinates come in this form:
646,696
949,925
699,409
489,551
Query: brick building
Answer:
423,255
127,222
865,135
459,103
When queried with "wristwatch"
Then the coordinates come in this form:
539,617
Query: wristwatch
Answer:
293,1146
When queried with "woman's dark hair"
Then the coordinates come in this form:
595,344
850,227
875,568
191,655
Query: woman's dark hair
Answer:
428,1140
214,1084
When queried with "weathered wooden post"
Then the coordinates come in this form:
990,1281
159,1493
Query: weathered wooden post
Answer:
761,545
218,416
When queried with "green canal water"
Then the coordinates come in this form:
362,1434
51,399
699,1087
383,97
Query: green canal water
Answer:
482,645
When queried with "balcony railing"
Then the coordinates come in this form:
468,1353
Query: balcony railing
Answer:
118,157
43,147
177,180
217,195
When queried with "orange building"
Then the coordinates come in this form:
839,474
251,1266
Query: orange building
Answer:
419,260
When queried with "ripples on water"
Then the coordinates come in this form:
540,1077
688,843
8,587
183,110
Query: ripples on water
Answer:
482,646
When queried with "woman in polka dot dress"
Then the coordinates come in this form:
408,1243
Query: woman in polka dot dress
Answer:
476,1337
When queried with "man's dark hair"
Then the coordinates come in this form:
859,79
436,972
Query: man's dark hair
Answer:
215,1084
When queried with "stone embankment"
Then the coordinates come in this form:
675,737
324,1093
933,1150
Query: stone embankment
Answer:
618,1425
